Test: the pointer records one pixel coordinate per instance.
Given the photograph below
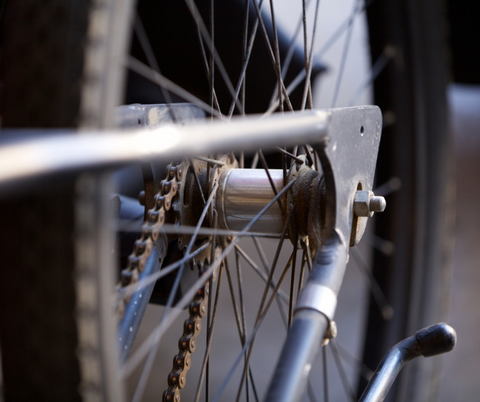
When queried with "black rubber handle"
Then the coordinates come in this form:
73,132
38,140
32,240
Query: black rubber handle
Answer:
436,339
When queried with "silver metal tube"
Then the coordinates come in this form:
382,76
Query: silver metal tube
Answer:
310,323
298,355
63,151
243,193
389,368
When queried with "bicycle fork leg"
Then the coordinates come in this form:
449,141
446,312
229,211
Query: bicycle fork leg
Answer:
314,310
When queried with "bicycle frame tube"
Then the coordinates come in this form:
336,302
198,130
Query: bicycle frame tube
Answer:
27,155
314,311
348,163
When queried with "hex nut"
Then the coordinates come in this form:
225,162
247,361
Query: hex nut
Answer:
361,203
366,203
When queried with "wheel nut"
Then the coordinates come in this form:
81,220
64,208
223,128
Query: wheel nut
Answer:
366,203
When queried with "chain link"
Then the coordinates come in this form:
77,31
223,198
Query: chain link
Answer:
142,249
150,231
187,344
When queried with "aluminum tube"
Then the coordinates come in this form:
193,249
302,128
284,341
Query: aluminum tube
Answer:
68,151
243,193
289,382
389,368
315,307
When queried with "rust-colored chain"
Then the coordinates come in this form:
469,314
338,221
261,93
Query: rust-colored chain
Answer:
187,343
142,249
150,232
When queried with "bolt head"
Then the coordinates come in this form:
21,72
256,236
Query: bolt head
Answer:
361,203
366,203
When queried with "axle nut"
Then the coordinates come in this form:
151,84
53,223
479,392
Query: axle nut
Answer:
366,203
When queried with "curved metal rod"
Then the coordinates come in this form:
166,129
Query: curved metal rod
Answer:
430,341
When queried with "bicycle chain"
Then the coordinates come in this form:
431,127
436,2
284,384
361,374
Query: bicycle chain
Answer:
187,344
150,231
142,249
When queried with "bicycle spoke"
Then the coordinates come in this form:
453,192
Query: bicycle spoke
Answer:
325,375
272,56
246,60
289,56
292,285
344,53
392,185
308,154
213,51
263,276
385,308
387,55
309,64
242,312
250,338
267,171
364,371
245,49
234,303
131,289
210,330
310,392
240,295
308,255
302,272
253,385
157,78
152,61
386,247
212,60
278,70
209,160
197,180
290,155
280,294
264,296
207,71
341,370
123,225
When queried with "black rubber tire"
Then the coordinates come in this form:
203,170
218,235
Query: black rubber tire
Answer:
41,41
50,350
417,148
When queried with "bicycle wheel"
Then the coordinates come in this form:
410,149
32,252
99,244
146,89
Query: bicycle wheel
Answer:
46,341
